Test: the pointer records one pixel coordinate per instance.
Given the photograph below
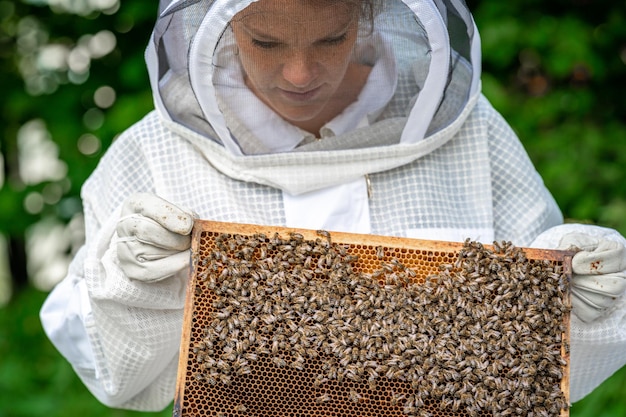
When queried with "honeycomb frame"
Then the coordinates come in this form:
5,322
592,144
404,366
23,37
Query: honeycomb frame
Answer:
295,390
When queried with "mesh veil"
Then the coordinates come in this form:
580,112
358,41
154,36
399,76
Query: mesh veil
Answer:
182,62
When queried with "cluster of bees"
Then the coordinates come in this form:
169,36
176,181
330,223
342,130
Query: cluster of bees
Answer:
481,337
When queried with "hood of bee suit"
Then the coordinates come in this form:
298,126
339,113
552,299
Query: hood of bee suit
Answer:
428,53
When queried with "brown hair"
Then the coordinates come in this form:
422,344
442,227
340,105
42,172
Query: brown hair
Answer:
368,9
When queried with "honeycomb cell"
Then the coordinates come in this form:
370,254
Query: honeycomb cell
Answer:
286,322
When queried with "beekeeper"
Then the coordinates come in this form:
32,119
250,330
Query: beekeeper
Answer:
349,115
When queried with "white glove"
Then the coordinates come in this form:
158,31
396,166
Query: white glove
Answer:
154,238
598,274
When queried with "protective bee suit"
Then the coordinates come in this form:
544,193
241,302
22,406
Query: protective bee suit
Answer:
420,153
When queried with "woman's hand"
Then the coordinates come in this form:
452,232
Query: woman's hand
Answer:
599,274
154,238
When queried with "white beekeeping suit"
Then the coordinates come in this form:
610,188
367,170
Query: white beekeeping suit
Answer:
419,153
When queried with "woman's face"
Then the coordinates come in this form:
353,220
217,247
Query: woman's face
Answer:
295,53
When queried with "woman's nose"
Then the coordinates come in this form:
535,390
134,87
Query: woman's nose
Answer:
299,70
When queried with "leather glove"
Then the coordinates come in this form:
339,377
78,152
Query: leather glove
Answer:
598,274
154,238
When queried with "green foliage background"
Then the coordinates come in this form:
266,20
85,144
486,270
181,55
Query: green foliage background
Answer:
554,69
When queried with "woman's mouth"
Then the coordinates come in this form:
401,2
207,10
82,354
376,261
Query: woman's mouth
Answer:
301,96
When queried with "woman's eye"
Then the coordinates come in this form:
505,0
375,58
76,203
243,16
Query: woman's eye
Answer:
337,40
264,44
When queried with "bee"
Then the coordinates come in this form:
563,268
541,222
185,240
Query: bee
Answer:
312,353
296,236
212,378
397,398
354,396
198,346
279,362
297,364
319,381
325,234
409,409
263,251
349,259
223,333
332,373
371,384
260,237
324,398
244,370
225,379
385,350
200,357
240,408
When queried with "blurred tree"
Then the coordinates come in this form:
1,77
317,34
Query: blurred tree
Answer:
73,78
554,70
